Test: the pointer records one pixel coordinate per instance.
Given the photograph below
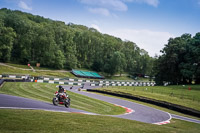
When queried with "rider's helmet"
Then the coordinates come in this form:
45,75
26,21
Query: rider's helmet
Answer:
61,89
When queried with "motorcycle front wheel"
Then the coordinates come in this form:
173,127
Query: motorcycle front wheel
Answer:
55,101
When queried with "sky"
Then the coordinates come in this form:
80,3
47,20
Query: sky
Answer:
148,23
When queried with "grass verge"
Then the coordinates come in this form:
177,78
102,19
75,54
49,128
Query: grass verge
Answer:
16,70
175,94
45,92
150,105
18,65
42,121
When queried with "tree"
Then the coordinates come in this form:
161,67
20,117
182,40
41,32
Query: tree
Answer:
195,55
179,63
59,60
35,39
7,36
118,62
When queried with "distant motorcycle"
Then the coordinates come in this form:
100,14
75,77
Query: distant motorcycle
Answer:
61,98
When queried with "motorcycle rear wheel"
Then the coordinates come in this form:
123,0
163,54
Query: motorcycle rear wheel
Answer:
67,103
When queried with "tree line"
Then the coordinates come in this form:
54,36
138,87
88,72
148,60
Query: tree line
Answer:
27,38
180,61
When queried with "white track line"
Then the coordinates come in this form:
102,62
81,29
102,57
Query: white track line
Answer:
32,109
164,122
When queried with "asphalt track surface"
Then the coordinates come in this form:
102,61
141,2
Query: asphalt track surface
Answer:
139,112
15,102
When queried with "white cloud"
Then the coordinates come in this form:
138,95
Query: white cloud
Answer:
149,2
106,7
95,27
109,4
152,2
101,11
115,16
151,41
23,5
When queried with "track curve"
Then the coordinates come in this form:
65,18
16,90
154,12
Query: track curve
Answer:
141,113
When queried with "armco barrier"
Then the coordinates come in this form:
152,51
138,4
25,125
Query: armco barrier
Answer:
164,104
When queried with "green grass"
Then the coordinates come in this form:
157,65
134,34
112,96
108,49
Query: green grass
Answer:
119,78
18,65
150,105
127,78
45,92
9,70
27,67
54,73
42,121
174,94
5,70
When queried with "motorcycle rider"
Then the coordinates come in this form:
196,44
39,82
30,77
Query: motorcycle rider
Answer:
61,92
61,89
61,97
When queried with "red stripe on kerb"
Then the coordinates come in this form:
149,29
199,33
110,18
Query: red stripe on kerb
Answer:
162,123
128,110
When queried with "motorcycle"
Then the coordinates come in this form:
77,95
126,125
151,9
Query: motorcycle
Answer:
61,98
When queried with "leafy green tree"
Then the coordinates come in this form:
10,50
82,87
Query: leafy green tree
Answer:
7,36
195,56
59,60
34,39
179,63
118,62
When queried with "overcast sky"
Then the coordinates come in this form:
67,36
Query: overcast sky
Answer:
148,23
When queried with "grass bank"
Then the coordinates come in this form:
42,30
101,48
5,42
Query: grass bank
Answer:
18,70
42,121
43,71
45,92
174,94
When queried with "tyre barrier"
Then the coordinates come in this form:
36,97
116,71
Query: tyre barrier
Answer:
82,81
1,82
131,84
69,79
13,80
101,82
164,104
58,82
14,76
125,82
